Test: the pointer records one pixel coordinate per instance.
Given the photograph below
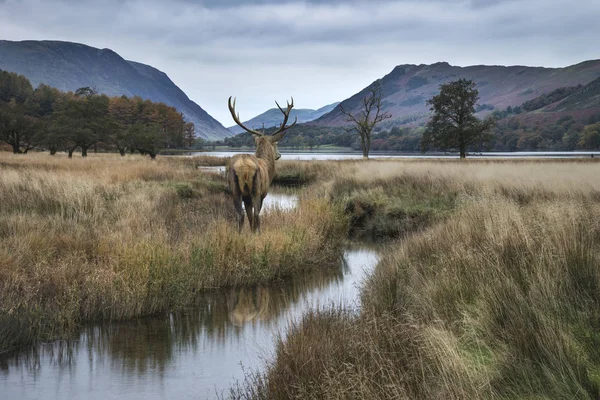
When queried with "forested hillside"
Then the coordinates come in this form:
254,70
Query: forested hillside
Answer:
69,66
49,119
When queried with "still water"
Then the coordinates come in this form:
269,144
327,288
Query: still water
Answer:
196,353
315,155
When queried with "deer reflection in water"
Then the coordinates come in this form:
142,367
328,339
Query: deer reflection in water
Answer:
150,346
249,304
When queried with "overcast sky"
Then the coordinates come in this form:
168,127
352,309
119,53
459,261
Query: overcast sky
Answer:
319,51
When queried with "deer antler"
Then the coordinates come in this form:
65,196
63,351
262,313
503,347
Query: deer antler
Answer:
286,113
277,136
236,118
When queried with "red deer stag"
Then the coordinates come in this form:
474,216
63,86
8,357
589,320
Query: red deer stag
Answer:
249,176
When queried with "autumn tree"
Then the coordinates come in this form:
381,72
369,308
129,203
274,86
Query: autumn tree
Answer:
51,119
453,125
369,115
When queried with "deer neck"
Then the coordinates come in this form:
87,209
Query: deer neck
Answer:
266,153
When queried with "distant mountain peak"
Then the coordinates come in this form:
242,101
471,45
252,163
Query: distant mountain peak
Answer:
272,117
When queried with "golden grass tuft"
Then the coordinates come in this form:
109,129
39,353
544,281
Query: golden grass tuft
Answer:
499,299
115,238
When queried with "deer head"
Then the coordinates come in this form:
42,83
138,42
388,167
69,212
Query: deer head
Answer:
266,142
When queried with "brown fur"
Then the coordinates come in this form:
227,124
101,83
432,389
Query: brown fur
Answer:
244,166
249,178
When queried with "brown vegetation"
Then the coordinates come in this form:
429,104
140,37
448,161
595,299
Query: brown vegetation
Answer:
499,299
111,237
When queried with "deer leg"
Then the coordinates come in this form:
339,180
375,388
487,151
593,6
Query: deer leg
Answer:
257,202
248,207
237,203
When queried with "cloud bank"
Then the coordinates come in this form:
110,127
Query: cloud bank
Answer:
319,51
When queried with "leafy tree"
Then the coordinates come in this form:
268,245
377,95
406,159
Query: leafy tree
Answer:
91,110
189,135
453,125
122,117
86,91
370,114
296,142
55,120
14,86
590,137
148,139
16,127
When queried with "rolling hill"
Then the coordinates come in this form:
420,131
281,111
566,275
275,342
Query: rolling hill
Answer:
406,89
273,117
69,66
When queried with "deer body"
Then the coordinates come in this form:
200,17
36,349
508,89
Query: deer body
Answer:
250,176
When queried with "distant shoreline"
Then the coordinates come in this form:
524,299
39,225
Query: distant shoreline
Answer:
339,153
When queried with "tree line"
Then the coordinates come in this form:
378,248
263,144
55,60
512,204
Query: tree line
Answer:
454,127
49,119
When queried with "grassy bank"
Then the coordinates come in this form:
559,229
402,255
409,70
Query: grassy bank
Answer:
114,238
500,298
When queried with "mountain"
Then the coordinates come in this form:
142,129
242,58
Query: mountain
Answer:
273,117
69,66
406,89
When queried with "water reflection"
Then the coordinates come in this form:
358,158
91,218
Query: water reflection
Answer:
281,201
220,170
194,353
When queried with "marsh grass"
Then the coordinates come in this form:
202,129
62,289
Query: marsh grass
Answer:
209,161
302,173
498,299
116,238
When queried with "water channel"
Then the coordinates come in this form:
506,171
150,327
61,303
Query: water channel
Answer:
196,353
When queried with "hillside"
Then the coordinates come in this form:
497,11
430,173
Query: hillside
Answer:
69,66
407,88
273,117
587,97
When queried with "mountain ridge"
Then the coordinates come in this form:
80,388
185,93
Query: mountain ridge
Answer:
69,66
407,87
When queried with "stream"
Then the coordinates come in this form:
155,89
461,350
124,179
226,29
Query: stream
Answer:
195,353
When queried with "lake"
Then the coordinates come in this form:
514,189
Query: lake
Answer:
317,155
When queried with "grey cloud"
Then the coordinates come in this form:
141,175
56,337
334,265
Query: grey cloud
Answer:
320,51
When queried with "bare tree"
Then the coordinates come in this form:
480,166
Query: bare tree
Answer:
370,114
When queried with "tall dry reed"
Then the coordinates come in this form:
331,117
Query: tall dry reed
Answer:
499,299
113,238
